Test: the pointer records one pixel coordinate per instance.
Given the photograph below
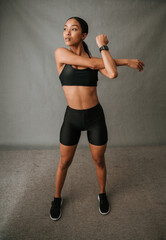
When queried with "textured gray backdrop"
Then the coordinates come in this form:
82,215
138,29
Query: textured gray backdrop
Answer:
32,102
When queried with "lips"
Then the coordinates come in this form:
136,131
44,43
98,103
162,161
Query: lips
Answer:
67,39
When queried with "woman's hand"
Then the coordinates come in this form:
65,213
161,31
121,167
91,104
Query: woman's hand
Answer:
135,63
101,40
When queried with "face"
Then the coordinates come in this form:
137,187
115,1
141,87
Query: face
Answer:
73,33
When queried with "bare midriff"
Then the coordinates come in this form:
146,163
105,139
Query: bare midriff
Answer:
81,97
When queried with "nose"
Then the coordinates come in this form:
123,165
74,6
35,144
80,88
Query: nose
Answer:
68,30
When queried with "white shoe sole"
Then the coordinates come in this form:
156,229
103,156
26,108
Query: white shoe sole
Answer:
99,208
55,219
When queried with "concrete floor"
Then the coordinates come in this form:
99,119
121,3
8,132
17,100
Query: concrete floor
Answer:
136,189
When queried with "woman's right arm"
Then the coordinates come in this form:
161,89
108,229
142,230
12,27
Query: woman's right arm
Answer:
63,55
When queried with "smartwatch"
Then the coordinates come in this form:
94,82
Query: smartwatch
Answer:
104,47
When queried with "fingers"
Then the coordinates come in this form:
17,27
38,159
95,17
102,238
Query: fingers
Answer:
140,65
140,69
141,62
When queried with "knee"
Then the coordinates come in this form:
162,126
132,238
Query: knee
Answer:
99,161
65,163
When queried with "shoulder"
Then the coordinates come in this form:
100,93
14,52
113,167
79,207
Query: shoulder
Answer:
60,50
62,53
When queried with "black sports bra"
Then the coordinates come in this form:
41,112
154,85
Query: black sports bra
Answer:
78,77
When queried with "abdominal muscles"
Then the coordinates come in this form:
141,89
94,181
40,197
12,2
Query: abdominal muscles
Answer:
81,97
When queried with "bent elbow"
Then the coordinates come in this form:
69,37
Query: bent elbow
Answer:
114,75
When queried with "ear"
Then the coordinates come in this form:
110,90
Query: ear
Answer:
84,36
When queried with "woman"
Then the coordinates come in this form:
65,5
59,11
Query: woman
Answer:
78,73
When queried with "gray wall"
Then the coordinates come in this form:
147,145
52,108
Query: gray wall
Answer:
32,101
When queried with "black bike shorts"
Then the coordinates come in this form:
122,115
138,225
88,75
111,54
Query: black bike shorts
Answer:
91,120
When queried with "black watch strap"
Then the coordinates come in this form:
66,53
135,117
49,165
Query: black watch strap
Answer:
104,47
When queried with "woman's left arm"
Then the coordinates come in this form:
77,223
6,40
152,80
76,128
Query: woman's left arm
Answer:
108,61
133,63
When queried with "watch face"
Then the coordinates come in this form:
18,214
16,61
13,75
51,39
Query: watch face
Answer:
104,47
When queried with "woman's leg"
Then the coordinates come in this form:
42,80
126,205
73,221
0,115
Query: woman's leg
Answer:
66,157
69,138
98,136
99,160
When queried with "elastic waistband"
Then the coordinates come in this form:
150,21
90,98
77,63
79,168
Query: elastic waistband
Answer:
82,110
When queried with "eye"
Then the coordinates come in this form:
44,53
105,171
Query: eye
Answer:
72,29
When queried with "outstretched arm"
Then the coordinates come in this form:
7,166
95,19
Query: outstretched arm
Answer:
133,63
121,62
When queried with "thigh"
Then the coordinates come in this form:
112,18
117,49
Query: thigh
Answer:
97,132
97,151
67,152
69,132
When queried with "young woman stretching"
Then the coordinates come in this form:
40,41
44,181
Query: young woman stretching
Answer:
78,73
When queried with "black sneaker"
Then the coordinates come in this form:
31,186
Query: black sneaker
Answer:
104,207
55,211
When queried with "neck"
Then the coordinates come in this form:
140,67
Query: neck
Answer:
78,49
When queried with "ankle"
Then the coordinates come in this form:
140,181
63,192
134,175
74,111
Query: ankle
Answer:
102,192
57,196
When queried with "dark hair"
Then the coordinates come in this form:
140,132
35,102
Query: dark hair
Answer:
84,27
